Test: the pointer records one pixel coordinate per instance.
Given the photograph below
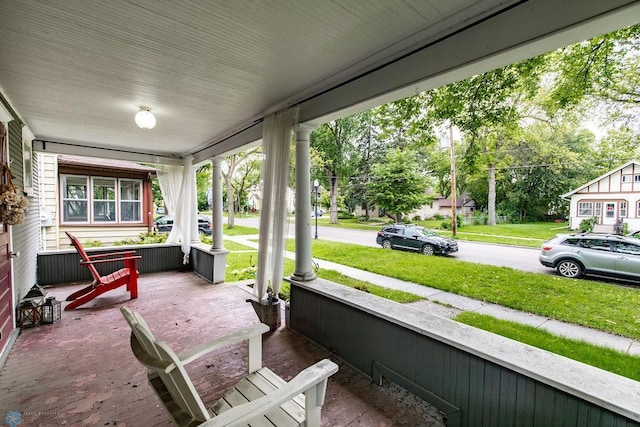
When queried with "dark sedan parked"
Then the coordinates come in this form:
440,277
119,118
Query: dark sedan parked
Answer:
415,238
164,224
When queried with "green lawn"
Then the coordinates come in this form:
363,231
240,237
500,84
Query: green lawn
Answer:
598,305
241,266
531,234
600,357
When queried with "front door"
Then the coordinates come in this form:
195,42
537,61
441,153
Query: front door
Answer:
609,213
6,291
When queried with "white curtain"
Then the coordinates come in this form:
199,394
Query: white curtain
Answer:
170,180
276,140
184,213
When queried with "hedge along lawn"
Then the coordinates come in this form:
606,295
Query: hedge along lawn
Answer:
598,305
600,357
241,266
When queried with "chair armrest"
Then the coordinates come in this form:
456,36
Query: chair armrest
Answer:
233,338
305,380
102,261
120,254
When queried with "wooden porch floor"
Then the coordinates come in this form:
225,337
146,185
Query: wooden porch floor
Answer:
80,371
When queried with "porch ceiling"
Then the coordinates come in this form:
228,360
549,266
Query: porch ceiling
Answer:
76,71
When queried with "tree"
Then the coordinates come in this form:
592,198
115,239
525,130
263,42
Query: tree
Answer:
396,184
485,108
233,163
605,67
203,183
332,144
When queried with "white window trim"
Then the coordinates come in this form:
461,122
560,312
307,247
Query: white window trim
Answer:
590,209
89,200
120,200
63,198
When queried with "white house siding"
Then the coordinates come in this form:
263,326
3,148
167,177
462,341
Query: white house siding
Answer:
607,194
49,198
25,237
53,235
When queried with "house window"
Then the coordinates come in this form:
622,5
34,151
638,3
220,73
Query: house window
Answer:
74,199
638,210
598,211
627,178
623,209
99,200
130,200
104,200
585,209
636,177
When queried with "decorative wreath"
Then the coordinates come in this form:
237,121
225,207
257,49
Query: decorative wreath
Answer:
12,201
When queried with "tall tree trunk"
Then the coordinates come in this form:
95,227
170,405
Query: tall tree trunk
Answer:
491,202
230,198
333,193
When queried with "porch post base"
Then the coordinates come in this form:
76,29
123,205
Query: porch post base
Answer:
303,277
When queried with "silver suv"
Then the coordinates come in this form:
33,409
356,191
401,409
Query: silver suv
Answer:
574,255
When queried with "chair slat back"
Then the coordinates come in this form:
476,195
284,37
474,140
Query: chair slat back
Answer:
160,359
76,243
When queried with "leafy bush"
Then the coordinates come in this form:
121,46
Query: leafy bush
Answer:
438,217
417,218
92,244
144,239
479,218
345,215
446,224
586,225
620,227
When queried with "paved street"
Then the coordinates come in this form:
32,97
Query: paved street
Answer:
525,259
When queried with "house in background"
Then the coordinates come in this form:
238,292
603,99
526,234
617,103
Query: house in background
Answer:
440,205
465,206
607,198
94,199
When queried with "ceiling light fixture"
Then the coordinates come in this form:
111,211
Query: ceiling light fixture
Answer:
145,118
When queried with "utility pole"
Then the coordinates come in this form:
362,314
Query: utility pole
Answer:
454,220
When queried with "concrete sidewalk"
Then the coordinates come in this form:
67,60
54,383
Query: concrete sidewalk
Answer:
449,305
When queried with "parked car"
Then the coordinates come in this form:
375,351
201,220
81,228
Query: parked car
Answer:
415,238
574,255
319,212
164,224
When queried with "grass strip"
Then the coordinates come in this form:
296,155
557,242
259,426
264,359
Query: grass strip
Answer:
601,357
241,266
597,305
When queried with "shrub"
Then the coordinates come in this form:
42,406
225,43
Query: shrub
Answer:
438,217
345,215
416,218
479,218
620,228
586,225
92,244
446,224
144,239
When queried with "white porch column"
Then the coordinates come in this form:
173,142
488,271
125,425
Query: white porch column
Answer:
216,204
217,243
193,234
303,270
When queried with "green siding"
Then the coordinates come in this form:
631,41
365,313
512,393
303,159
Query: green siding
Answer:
486,393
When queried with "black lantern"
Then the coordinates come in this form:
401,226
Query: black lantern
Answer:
50,311
28,315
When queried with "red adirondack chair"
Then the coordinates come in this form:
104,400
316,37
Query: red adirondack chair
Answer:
125,276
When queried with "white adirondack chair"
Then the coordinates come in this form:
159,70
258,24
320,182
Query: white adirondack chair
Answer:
260,398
